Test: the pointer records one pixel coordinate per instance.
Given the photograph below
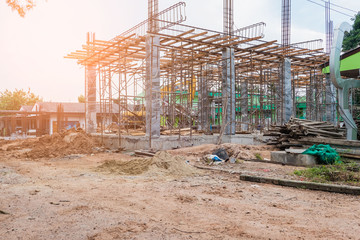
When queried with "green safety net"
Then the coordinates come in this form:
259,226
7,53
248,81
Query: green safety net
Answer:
324,153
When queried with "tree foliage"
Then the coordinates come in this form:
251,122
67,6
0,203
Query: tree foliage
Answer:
352,38
21,6
13,100
81,99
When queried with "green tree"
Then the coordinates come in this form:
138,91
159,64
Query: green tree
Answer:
21,6
13,100
352,38
81,99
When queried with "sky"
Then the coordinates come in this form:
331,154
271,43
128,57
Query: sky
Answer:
32,49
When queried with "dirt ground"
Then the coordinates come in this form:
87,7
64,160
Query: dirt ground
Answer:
86,196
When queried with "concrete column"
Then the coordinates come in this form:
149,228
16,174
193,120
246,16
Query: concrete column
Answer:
228,91
202,105
213,114
351,128
244,106
330,101
90,106
316,100
288,110
278,97
13,124
308,102
152,91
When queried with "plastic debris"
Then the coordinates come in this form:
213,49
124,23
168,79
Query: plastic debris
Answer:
221,153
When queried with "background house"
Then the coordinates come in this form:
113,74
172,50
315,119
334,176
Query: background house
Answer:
54,114
48,118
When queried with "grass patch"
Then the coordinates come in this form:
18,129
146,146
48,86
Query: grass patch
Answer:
258,156
348,173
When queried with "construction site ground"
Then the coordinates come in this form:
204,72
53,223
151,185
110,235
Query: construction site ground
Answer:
102,195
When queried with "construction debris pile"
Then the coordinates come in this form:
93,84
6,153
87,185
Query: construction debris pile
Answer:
290,134
235,151
162,163
59,144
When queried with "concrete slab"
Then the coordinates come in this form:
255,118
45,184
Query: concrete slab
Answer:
295,159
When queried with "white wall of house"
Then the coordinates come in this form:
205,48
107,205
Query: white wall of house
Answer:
80,119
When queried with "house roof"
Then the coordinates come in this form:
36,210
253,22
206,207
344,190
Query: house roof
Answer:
53,107
349,63
26,108
350,52
69,107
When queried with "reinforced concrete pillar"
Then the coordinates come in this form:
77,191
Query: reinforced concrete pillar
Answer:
244,105
278,103
309,101
203,106
288,110
228,91
152,91
330,100
90,106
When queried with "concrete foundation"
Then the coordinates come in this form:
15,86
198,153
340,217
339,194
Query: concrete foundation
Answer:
293,158
171,142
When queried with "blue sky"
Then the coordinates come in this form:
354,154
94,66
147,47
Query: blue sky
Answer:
32,48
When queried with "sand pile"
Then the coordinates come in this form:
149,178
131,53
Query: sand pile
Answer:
134,166
60,144
3,142
168,164
163,163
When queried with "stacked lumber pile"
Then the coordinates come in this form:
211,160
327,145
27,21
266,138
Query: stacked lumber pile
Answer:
175,131
289,134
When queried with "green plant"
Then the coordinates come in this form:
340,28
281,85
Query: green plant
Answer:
13,100
352,38
337,172
298,172
258,156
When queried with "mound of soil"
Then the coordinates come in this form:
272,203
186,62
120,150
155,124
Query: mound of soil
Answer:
3,142
163,163
237,151
60,144
247,152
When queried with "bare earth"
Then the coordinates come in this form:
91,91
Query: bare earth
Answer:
69,198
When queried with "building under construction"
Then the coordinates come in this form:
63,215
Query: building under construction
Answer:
168,76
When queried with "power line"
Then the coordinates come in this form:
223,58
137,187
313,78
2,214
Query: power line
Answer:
341,7
330,8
